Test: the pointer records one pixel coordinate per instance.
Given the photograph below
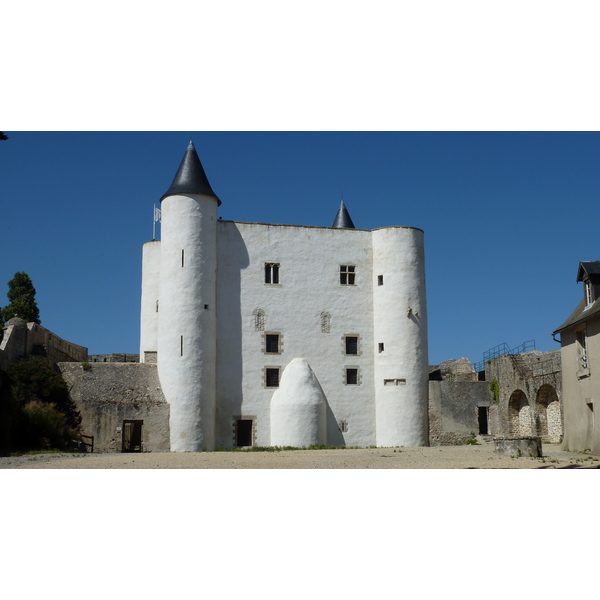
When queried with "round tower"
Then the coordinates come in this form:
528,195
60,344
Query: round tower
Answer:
400,335
187,306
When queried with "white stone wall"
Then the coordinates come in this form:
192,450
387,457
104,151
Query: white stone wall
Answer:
150,301
309,259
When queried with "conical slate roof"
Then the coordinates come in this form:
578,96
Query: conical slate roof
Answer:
190,177
342,219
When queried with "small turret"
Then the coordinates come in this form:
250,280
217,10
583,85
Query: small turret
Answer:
342,219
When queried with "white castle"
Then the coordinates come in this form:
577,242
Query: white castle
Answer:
279,335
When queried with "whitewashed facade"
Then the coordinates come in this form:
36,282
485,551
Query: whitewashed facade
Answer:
227,307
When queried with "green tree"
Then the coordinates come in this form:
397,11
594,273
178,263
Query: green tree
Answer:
36,400
21,294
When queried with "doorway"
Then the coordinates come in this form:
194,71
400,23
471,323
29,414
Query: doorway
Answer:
243,433
482,414
132,436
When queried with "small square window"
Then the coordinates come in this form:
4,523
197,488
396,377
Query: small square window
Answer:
351,376
272,273
351,344
272,377
347,275
272,343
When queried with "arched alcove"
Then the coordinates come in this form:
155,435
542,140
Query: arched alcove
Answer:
519,414
548,418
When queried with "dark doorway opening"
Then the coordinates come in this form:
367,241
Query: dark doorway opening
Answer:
243,436
483,420
132,436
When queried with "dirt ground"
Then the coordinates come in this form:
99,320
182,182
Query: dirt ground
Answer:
444,457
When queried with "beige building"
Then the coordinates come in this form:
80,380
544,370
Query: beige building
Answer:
580,353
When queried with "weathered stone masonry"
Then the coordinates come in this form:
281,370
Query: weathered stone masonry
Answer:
110,394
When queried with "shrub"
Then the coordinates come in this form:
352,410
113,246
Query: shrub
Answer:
40,411
495,388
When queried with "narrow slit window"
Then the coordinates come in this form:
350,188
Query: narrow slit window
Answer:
181,345
182,258
347,274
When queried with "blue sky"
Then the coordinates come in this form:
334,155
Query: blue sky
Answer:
504,216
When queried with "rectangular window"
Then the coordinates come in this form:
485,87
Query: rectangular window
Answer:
347,274
588,292
379,279
582,352
381,348
182,258
272,377
272,273
394,382
343,426
351,344
272,343
351,376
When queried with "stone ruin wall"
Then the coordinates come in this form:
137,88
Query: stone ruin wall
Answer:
107,394
530,393
529,400
24,339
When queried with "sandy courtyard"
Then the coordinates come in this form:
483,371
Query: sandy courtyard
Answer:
447,457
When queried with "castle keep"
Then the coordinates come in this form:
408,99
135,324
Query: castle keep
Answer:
283,335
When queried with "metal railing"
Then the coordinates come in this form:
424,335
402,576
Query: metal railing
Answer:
502,350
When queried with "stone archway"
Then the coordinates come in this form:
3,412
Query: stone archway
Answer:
519,415
547,415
